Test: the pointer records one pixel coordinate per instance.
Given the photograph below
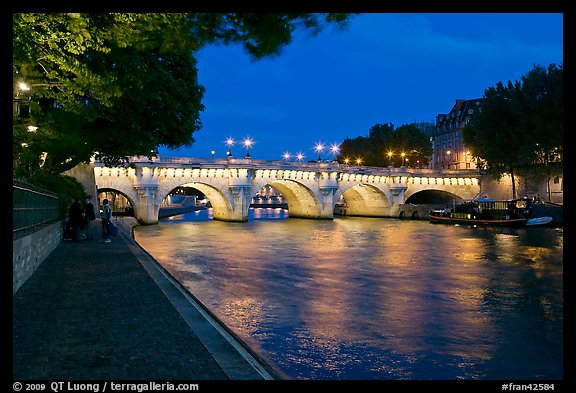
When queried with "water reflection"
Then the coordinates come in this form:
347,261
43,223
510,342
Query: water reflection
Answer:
365,298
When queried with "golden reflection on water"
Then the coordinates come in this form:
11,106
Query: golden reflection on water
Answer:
407,288
445,295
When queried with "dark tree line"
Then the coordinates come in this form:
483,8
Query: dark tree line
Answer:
385,145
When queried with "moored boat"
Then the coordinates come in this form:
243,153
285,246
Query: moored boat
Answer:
489,212
539,221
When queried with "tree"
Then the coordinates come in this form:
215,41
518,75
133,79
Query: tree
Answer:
542,120
118,85
524,118
415,144
385,146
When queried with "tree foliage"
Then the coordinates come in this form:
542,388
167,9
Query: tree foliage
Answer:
520,125
384,145
116,84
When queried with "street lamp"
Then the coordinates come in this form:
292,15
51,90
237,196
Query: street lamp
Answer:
319,147
389,158
358,161
247,143
286,156
21,101
299,156
213,155
402,155
335,148
346,161
230,143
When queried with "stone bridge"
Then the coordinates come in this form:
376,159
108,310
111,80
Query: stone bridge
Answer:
311,189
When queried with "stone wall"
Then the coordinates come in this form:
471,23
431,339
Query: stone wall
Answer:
526,186
84,173
30,251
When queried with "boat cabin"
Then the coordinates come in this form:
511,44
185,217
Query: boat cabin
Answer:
493,209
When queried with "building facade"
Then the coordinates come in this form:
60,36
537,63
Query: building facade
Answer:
449,150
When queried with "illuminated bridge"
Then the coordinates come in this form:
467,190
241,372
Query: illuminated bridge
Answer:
311,189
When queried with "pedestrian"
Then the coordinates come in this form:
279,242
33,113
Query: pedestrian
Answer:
76,219
89,217
106,221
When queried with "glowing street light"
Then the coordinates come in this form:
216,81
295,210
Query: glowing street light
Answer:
319,147
230,143
286,156
335,148
299,156
346,161
389,158
358,161
247,143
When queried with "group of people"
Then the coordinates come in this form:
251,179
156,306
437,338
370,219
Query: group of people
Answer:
80,218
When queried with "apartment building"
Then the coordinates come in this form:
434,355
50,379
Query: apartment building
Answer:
449,150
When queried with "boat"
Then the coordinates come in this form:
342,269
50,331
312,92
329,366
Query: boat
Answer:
539,221
489,212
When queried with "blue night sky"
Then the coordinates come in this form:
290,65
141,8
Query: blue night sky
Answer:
384,68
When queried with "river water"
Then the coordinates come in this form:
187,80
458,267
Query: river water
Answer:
375,298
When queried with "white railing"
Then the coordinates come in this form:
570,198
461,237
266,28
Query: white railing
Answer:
301,165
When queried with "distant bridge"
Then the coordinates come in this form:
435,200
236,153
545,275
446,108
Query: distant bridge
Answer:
311,189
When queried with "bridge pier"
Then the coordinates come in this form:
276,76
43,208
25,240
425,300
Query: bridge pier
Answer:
240,204
146,211
328,202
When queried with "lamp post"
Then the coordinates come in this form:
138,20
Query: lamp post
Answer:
286,156
229,143
213,155
299,156
247,143
335,148
319,147
21,104
402,155
358,161
389,158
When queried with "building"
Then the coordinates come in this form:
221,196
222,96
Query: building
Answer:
449,150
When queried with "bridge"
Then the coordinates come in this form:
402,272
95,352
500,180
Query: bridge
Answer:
311,189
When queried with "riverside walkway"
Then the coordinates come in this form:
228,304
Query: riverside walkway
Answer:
98,311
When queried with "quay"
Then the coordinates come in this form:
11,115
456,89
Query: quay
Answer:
109,311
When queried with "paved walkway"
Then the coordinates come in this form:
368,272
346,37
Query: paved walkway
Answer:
108,312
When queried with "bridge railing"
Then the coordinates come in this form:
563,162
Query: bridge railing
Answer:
303,165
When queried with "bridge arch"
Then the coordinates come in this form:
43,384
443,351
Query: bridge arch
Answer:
432,197
101,194
301,200
365,200
220,205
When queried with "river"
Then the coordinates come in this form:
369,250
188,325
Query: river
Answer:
375,298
